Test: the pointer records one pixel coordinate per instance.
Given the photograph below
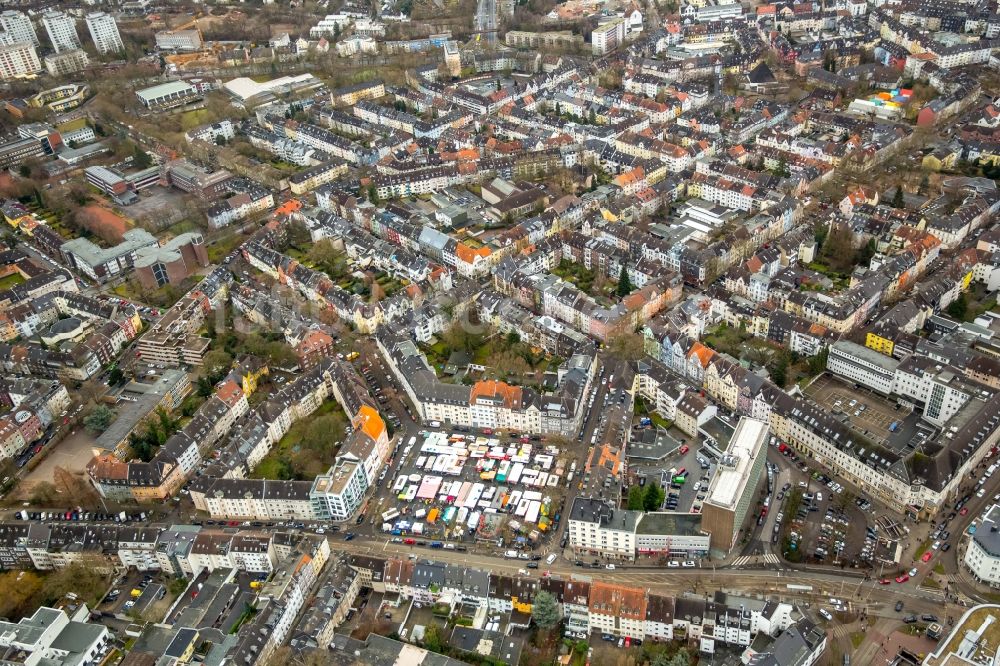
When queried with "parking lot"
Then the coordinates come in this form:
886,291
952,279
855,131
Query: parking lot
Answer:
820,521
688,496
869,413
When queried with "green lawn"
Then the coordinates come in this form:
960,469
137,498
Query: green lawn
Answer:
659,421
288,458
10,281
222,247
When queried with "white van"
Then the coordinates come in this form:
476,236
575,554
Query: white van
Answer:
551,558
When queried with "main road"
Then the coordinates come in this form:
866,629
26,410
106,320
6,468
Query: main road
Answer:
810,586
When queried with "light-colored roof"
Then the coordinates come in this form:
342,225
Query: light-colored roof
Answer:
731,479
169,88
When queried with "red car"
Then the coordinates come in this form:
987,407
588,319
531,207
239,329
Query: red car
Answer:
409,542
684,449
927,556
885,581
903,578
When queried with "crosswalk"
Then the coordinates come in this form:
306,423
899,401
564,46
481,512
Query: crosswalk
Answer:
766,558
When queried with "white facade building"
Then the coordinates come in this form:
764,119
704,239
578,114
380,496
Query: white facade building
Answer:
982,557
61,30
606,38
596,528
18,28
104,32
862,365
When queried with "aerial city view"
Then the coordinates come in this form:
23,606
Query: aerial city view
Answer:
499,332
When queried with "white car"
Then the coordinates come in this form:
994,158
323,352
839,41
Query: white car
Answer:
936,545
913,572
688,565
610,567
673,564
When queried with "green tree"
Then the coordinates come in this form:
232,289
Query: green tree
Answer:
624,283
779,369
141,159
216,364
958,308
373,193
433,640
545,611
866,253
98,420
817,363
924,182
781,171
897,197
819,234
115,376
661,659
682,658
652,499
635,498
592,117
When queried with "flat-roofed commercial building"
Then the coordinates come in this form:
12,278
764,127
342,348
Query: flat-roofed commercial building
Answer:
732,492
167,95
669,534
862,365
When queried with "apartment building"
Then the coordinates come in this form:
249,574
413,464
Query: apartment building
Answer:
18,60
596,527
607,37
104,31
66,62
982,556
18,28
489,404
61,29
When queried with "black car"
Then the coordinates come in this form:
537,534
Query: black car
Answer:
910,619
899,606
945,548
360,519
927,617
532,565
578,563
